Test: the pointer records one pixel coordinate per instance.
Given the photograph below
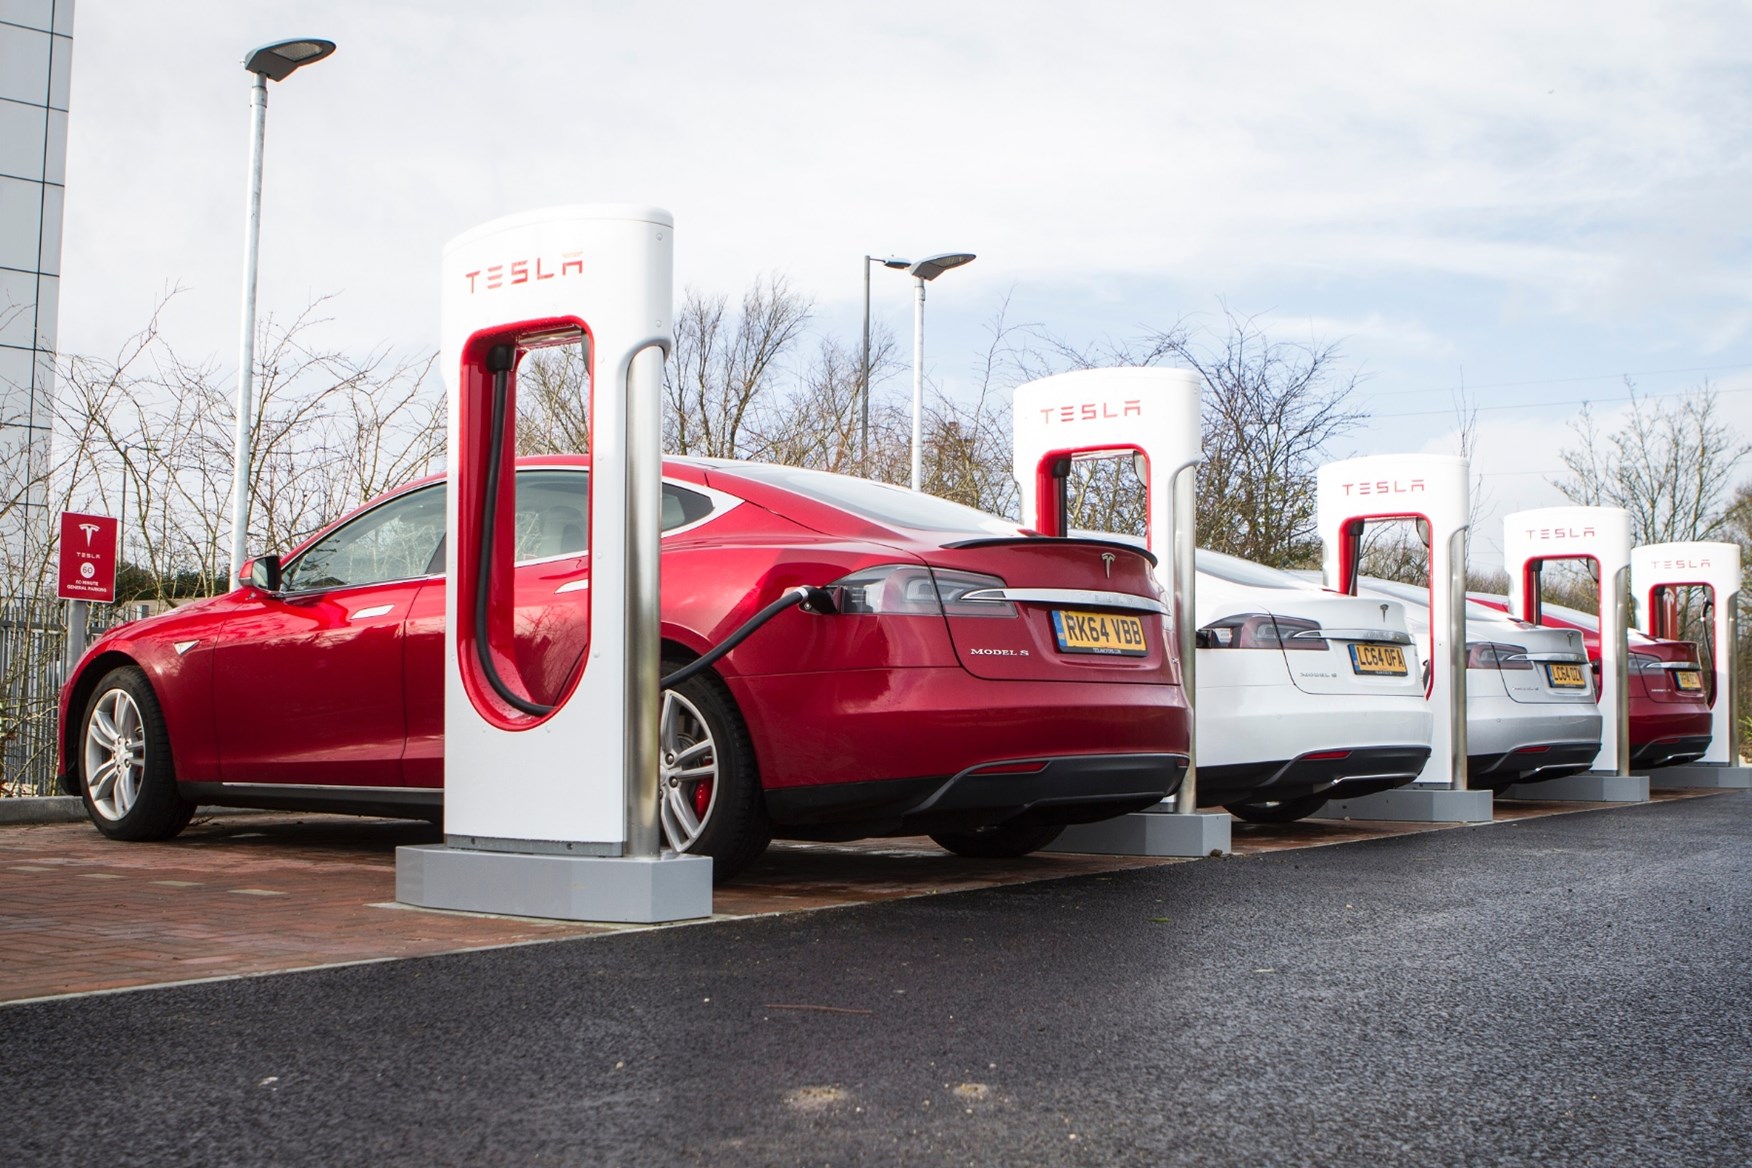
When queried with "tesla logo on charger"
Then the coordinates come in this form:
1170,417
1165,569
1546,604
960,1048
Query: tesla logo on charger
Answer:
1676,565
565,263
1560,533
1093,411
1385,487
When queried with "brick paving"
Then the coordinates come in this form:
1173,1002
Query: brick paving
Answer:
247,894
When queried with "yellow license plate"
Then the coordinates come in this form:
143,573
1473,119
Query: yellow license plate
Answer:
1378,659
1689,679
1566,676
1099,632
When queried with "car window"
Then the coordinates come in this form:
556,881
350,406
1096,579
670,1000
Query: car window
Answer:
393,541
553,514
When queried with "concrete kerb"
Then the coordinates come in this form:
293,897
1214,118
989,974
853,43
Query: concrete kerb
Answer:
29,809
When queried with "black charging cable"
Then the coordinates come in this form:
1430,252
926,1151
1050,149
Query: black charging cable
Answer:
500,360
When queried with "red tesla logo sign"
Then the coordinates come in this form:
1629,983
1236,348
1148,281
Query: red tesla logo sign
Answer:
88,558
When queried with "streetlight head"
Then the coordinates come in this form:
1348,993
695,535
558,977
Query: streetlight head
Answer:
897,263
931,267
281,59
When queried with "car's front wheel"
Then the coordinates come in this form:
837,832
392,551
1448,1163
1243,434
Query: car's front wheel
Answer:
709,790
1277,810
125,771
997,843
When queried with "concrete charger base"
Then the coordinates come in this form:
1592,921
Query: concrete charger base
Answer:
564,888
1714,775
1592,787
1159,831
1413,805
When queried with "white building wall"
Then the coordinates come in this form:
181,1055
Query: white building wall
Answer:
36,51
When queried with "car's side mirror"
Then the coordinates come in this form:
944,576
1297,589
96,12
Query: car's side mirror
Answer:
263,572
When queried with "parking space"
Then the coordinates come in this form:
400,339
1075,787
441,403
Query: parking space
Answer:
237,895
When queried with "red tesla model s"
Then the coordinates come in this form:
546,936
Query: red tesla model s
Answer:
960,677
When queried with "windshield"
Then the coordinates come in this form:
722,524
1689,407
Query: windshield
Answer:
880,503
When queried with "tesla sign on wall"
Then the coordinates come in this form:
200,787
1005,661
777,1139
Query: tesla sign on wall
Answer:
88,558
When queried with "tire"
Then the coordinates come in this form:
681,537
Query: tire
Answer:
997,843
709,790
1277,810
126,776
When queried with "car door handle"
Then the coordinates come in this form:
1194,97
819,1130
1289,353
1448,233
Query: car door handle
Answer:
578,585
368,613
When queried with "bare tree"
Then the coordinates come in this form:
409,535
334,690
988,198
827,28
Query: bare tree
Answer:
724,367
1670,464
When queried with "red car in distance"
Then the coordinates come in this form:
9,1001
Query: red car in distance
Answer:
973,681
1668,694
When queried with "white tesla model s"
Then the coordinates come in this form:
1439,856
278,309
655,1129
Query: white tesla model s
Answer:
1301,695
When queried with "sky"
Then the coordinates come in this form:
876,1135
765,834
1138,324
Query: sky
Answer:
1534,202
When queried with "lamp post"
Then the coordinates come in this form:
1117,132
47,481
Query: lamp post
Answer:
274,62
864,375
928,268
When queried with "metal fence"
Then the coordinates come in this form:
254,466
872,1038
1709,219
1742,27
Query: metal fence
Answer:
33,643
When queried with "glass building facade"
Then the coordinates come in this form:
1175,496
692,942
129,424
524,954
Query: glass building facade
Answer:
36,50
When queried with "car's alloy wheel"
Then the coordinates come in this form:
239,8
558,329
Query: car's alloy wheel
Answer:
115,753
688,771
125,770
709,801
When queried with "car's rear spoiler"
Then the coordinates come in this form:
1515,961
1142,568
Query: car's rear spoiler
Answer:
1078,540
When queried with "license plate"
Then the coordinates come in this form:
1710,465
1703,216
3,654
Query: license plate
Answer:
1099,632
1566,676
1689,679
1378,659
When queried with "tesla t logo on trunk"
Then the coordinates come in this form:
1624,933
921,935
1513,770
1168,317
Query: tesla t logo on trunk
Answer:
1093,411
567,263
1384,487
1107,559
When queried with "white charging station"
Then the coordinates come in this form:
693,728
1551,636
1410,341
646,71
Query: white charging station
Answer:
1433,491
1656,570
1600,535
1128,413
553,812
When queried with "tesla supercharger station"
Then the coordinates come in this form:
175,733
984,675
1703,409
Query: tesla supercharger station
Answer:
1656,571
1433,491
1127,413
1600,536
552,812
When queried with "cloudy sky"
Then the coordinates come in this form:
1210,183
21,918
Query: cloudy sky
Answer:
1530,200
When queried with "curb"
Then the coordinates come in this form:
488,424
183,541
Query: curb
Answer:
42,809
28,809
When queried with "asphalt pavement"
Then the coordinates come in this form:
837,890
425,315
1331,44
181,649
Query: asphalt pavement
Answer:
1569,990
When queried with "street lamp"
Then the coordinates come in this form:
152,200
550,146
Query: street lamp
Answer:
928,268
864,376
274,62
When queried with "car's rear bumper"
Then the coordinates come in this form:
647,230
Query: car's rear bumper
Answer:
879,725
1670,751
1361,771
1261,727
1531,763
1021,792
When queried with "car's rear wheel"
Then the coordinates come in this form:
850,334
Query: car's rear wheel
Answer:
1276,810
709,791
997,843
125,771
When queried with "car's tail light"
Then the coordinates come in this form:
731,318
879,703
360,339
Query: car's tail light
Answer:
1494,655
1643,663
915,590
1260,630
